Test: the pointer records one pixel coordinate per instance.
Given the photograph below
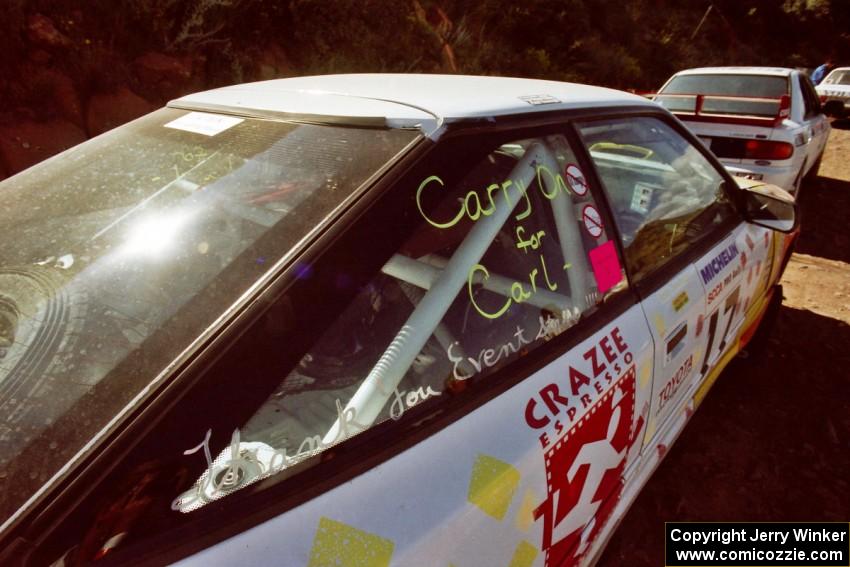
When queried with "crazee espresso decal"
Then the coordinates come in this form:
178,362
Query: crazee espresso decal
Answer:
589,429
584,473
716,265
552,410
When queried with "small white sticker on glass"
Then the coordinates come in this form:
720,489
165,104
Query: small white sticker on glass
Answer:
641,197
204,123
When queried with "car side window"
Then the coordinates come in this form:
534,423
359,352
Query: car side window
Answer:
502,261
810,97
663,192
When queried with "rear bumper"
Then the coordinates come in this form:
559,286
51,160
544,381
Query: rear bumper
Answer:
845,100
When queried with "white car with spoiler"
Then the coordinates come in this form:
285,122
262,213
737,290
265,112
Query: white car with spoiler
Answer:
835,89
763,123
366,320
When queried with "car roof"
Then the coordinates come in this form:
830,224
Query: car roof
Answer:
403,100
768,71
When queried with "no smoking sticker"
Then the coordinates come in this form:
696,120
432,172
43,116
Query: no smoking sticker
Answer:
576,180
592,221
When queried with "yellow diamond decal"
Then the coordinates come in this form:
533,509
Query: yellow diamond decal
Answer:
525,514
492,485
339,545
659,324
524,555
698,354
645,375
650,430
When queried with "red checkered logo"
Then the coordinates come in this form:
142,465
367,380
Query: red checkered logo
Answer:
584,471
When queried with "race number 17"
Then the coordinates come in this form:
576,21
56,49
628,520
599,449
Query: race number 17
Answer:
730,307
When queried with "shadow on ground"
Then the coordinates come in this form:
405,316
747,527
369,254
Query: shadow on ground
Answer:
824,204
770,443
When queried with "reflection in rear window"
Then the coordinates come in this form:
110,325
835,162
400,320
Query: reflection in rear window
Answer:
730,95
124,250
838,78
729,85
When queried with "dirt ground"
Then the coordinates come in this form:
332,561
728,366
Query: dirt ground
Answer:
771,442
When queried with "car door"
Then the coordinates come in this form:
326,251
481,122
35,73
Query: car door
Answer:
681,236
452,378
735,274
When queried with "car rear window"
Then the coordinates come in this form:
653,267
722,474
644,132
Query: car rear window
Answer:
733,95
126,249
728,85
838,78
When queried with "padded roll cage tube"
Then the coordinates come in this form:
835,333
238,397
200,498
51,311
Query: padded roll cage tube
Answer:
443,280
567,213
424,274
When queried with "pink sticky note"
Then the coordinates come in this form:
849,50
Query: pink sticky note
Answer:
606,266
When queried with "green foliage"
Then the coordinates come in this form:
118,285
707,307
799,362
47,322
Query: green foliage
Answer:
632,44
12,44
180,25
361,36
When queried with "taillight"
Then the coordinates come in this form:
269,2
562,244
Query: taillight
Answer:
763,149
784,109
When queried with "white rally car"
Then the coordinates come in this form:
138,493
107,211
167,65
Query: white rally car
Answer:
366,320
836,87
763,123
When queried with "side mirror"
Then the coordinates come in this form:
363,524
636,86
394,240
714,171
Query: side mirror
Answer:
770,207
834,108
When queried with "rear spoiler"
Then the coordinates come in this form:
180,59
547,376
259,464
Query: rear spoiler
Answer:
752,111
